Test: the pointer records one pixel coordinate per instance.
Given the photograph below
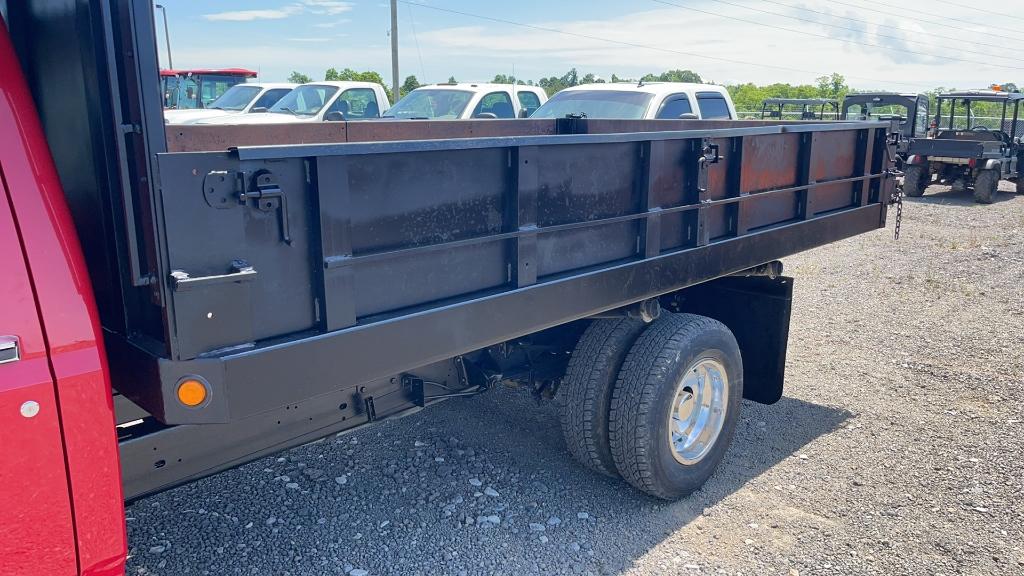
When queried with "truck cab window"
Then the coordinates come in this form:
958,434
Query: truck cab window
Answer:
713,106
357,104
270,97
529,101
497,103
674,106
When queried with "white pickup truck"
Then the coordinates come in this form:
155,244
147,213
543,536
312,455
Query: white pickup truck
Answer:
250,97
460,101
642,101
319,102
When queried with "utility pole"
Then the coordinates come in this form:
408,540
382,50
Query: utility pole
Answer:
167,37
396,85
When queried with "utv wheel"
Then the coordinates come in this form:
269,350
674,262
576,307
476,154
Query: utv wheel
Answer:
676,404
585,394
986,186
1020,184
913,180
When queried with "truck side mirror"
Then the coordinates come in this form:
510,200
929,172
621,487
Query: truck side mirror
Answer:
335,116
688,116
258,110
524,113
487,116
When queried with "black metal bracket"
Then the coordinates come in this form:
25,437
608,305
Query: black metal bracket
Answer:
241,271
226,189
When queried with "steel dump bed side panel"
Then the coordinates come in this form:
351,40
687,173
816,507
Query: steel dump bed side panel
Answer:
299,270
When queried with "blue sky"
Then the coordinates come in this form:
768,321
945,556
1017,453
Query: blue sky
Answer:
724,40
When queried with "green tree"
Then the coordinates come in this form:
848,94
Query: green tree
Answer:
350,75
832,86
452,80
299,78
410,84
674,76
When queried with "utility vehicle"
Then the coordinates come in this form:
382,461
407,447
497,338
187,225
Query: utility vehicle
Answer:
975,143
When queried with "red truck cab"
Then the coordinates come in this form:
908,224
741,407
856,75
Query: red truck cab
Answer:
62,503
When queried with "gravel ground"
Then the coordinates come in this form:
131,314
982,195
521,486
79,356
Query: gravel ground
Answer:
896,450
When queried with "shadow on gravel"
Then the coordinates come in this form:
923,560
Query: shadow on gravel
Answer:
420,496
965,199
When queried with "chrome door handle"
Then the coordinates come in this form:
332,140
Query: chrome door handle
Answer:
10,351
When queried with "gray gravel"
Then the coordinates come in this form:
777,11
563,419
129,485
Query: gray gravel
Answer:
897,450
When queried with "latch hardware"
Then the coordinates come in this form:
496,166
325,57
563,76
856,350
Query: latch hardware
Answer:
226,189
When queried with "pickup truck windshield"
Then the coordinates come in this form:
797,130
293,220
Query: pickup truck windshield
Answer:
304,100
614,104
236,98
431,104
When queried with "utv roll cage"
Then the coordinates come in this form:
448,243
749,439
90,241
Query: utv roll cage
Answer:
807,108
1007,105
918,110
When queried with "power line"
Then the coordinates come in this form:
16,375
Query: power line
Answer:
416,40
917,16
826,36
643,46
976,9
930,34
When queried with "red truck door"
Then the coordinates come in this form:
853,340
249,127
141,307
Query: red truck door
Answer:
36,532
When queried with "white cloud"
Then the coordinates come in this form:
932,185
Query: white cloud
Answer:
719,49
309,39
249,15
318,7
328,7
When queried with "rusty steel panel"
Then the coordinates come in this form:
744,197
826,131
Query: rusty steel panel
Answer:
833,155
770,162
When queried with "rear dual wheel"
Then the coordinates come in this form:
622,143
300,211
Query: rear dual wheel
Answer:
672,407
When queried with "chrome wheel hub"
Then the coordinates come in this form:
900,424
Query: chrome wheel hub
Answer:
698,410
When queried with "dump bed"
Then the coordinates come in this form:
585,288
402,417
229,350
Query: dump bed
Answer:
285,272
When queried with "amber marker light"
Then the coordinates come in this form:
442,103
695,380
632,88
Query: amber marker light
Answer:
192,392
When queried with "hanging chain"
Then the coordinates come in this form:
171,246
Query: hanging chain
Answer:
897,199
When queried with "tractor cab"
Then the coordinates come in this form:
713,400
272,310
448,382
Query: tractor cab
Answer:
799,108
190,89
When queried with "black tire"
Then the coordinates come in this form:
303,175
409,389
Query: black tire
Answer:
986,186
913,180
585,394
644,395
1020,184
